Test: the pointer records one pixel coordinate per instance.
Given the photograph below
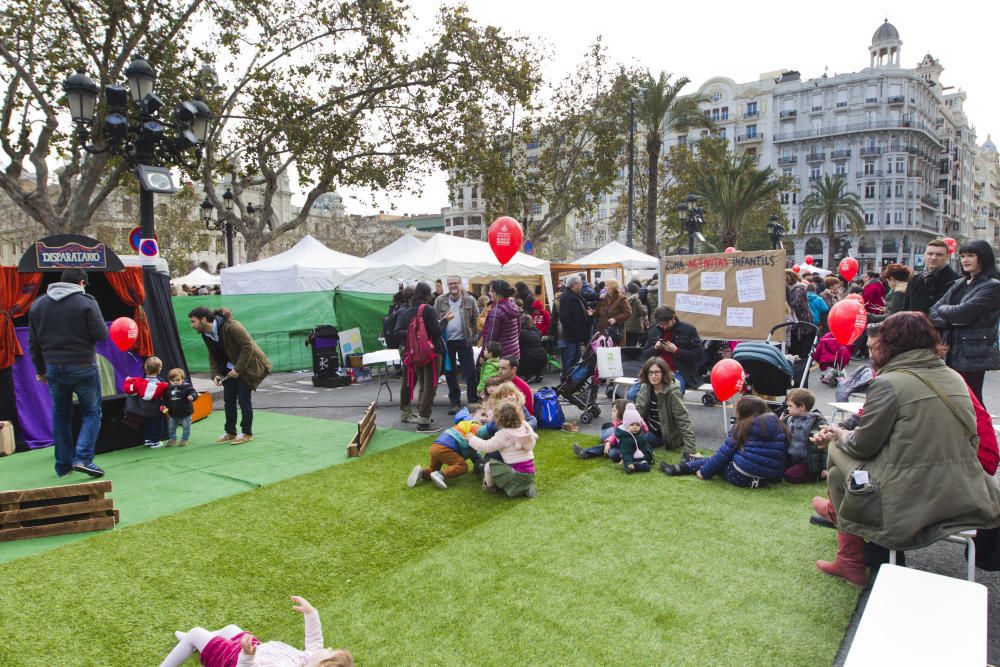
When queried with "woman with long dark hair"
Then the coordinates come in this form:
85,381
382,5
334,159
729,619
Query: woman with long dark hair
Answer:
967,315
660,405
533,356
503,323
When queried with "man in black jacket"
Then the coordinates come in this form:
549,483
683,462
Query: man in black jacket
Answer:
676,343
64,327
426,375
574,322
927,287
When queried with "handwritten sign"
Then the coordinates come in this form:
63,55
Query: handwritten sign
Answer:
713,281
739,317
694,303
750,285
677,282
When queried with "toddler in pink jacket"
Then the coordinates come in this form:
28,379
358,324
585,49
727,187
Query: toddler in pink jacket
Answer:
515,442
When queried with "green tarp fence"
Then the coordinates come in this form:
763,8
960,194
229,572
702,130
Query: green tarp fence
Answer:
280,323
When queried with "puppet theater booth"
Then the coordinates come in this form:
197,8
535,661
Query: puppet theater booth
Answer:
121,291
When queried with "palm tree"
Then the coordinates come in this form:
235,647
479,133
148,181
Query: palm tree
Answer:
661,110
829,203
733,190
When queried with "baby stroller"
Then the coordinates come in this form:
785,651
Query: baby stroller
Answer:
769,372
832,356
581,386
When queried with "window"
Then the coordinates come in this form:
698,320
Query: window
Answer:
888,190
901,165
724,113
751,131
870,118
813,173
842,98
871,93
532,145
841,169
869,167
795,197
897,217
869,191
899,190
722,133
784,198
532,159
817,102
715,114
751,109
817,125
716,96
869,218
682,140
536,209
787,173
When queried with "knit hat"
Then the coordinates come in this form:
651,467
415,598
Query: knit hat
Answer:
631,416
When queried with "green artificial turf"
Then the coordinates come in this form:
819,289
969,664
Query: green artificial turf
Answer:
600,569
148,483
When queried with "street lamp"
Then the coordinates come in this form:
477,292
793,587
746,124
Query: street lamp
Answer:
692,218
135,132
222,224
775,231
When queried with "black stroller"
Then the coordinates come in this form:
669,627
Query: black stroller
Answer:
769,372
581,386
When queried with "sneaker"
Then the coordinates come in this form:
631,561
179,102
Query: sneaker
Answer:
530,492
578,450
91,469
225,437
154,445
691,456
438,480
415,476
171,443
241,439
489,488
428,428
63,474
818,520
455,407
182,443
408,418
669,469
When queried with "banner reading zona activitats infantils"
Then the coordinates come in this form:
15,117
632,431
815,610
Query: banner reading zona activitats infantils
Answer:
733,296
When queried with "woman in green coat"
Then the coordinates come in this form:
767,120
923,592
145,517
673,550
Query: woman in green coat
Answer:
660,405
908,475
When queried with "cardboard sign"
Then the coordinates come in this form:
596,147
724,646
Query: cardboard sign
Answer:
729,296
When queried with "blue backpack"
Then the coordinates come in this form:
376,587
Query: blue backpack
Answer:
548,412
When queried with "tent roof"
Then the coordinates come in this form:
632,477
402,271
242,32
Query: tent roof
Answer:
616,253
308,253
309,266
398,248
197,277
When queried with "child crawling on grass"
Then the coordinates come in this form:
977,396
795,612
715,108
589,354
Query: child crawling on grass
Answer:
233,647
515,441
753,454
450,450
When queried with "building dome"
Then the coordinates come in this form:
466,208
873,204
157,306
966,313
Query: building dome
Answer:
989,145
886,33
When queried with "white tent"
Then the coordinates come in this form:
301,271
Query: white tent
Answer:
398,248
616,253
809,268
196,278
309,266
441,256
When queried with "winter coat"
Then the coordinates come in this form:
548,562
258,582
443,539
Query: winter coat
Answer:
689,354
146,396
675,422
800,448
469,310
64,327
969,323
925,480
637,320
177,400
541,317
613,305
502,325
532,349
762,455
405,316
925,289
490,368
874,296
817,306
515,445
238,348
798,301
574,323
895,302
629,444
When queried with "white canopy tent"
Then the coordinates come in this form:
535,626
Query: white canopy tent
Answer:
398,248
196,278
616,253
441,256
309,266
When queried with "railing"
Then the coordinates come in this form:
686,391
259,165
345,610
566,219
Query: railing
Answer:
859,127
839,155
871,150
788,159
815,109
869,174
788,113
815,157
930,201
751,114
749,137
841,105
871,100
816,177
897,99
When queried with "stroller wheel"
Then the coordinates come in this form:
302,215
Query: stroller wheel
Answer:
596,411
610,392
586,417
709,399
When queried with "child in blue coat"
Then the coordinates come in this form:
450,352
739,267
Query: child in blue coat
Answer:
752,455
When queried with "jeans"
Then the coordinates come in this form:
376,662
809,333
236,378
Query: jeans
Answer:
153,427
460,351
570,356
236,390
184,423
64,380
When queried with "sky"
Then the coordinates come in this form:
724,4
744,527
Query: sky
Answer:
739,40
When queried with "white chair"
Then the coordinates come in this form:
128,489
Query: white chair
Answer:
966,538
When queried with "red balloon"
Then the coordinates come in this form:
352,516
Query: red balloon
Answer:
848,268
730,249
847,320
952,245
855,297
727,379
505,238
123,332
796,268
809,260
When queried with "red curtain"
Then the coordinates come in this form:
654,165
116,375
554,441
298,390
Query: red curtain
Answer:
17,291
129,288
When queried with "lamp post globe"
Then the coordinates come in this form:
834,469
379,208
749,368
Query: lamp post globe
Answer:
141,78
81,94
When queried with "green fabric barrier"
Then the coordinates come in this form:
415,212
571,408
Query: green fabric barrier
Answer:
279,323
364,310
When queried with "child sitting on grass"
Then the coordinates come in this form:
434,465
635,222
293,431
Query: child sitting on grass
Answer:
180,407
147,398
636,454
450,450
491,366
515,442
752,455
507,391
805,462
608,442
234,647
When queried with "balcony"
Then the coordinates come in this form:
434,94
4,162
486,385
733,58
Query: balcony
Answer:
788,113
870,101
816,157
869,174
815,177
788,159
751,114
896,100
870,150
929,201
860,127
841,105
840,155
749,138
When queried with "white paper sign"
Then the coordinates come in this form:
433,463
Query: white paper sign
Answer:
703,305
713,280
750,285
677,282
739,317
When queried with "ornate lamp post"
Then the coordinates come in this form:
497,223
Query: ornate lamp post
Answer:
222,224
692,218
134,131
775,231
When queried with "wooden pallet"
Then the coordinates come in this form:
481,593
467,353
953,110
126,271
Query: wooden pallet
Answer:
56,510
366,429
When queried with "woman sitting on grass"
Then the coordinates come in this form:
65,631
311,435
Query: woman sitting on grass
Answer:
660,406
752,455
234,647
515,442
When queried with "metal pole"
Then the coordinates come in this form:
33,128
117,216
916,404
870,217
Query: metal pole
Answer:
690,236
146,214
229,243
631,168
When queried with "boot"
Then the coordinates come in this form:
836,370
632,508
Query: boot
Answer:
850,563
824,508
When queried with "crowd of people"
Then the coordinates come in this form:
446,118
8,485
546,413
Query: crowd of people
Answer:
196,290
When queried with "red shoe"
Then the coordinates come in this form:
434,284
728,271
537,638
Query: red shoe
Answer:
850,563
825,509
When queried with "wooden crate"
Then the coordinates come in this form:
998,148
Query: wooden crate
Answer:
366,429
56,510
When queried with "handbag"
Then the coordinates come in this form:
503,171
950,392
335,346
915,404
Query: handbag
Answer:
975,349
